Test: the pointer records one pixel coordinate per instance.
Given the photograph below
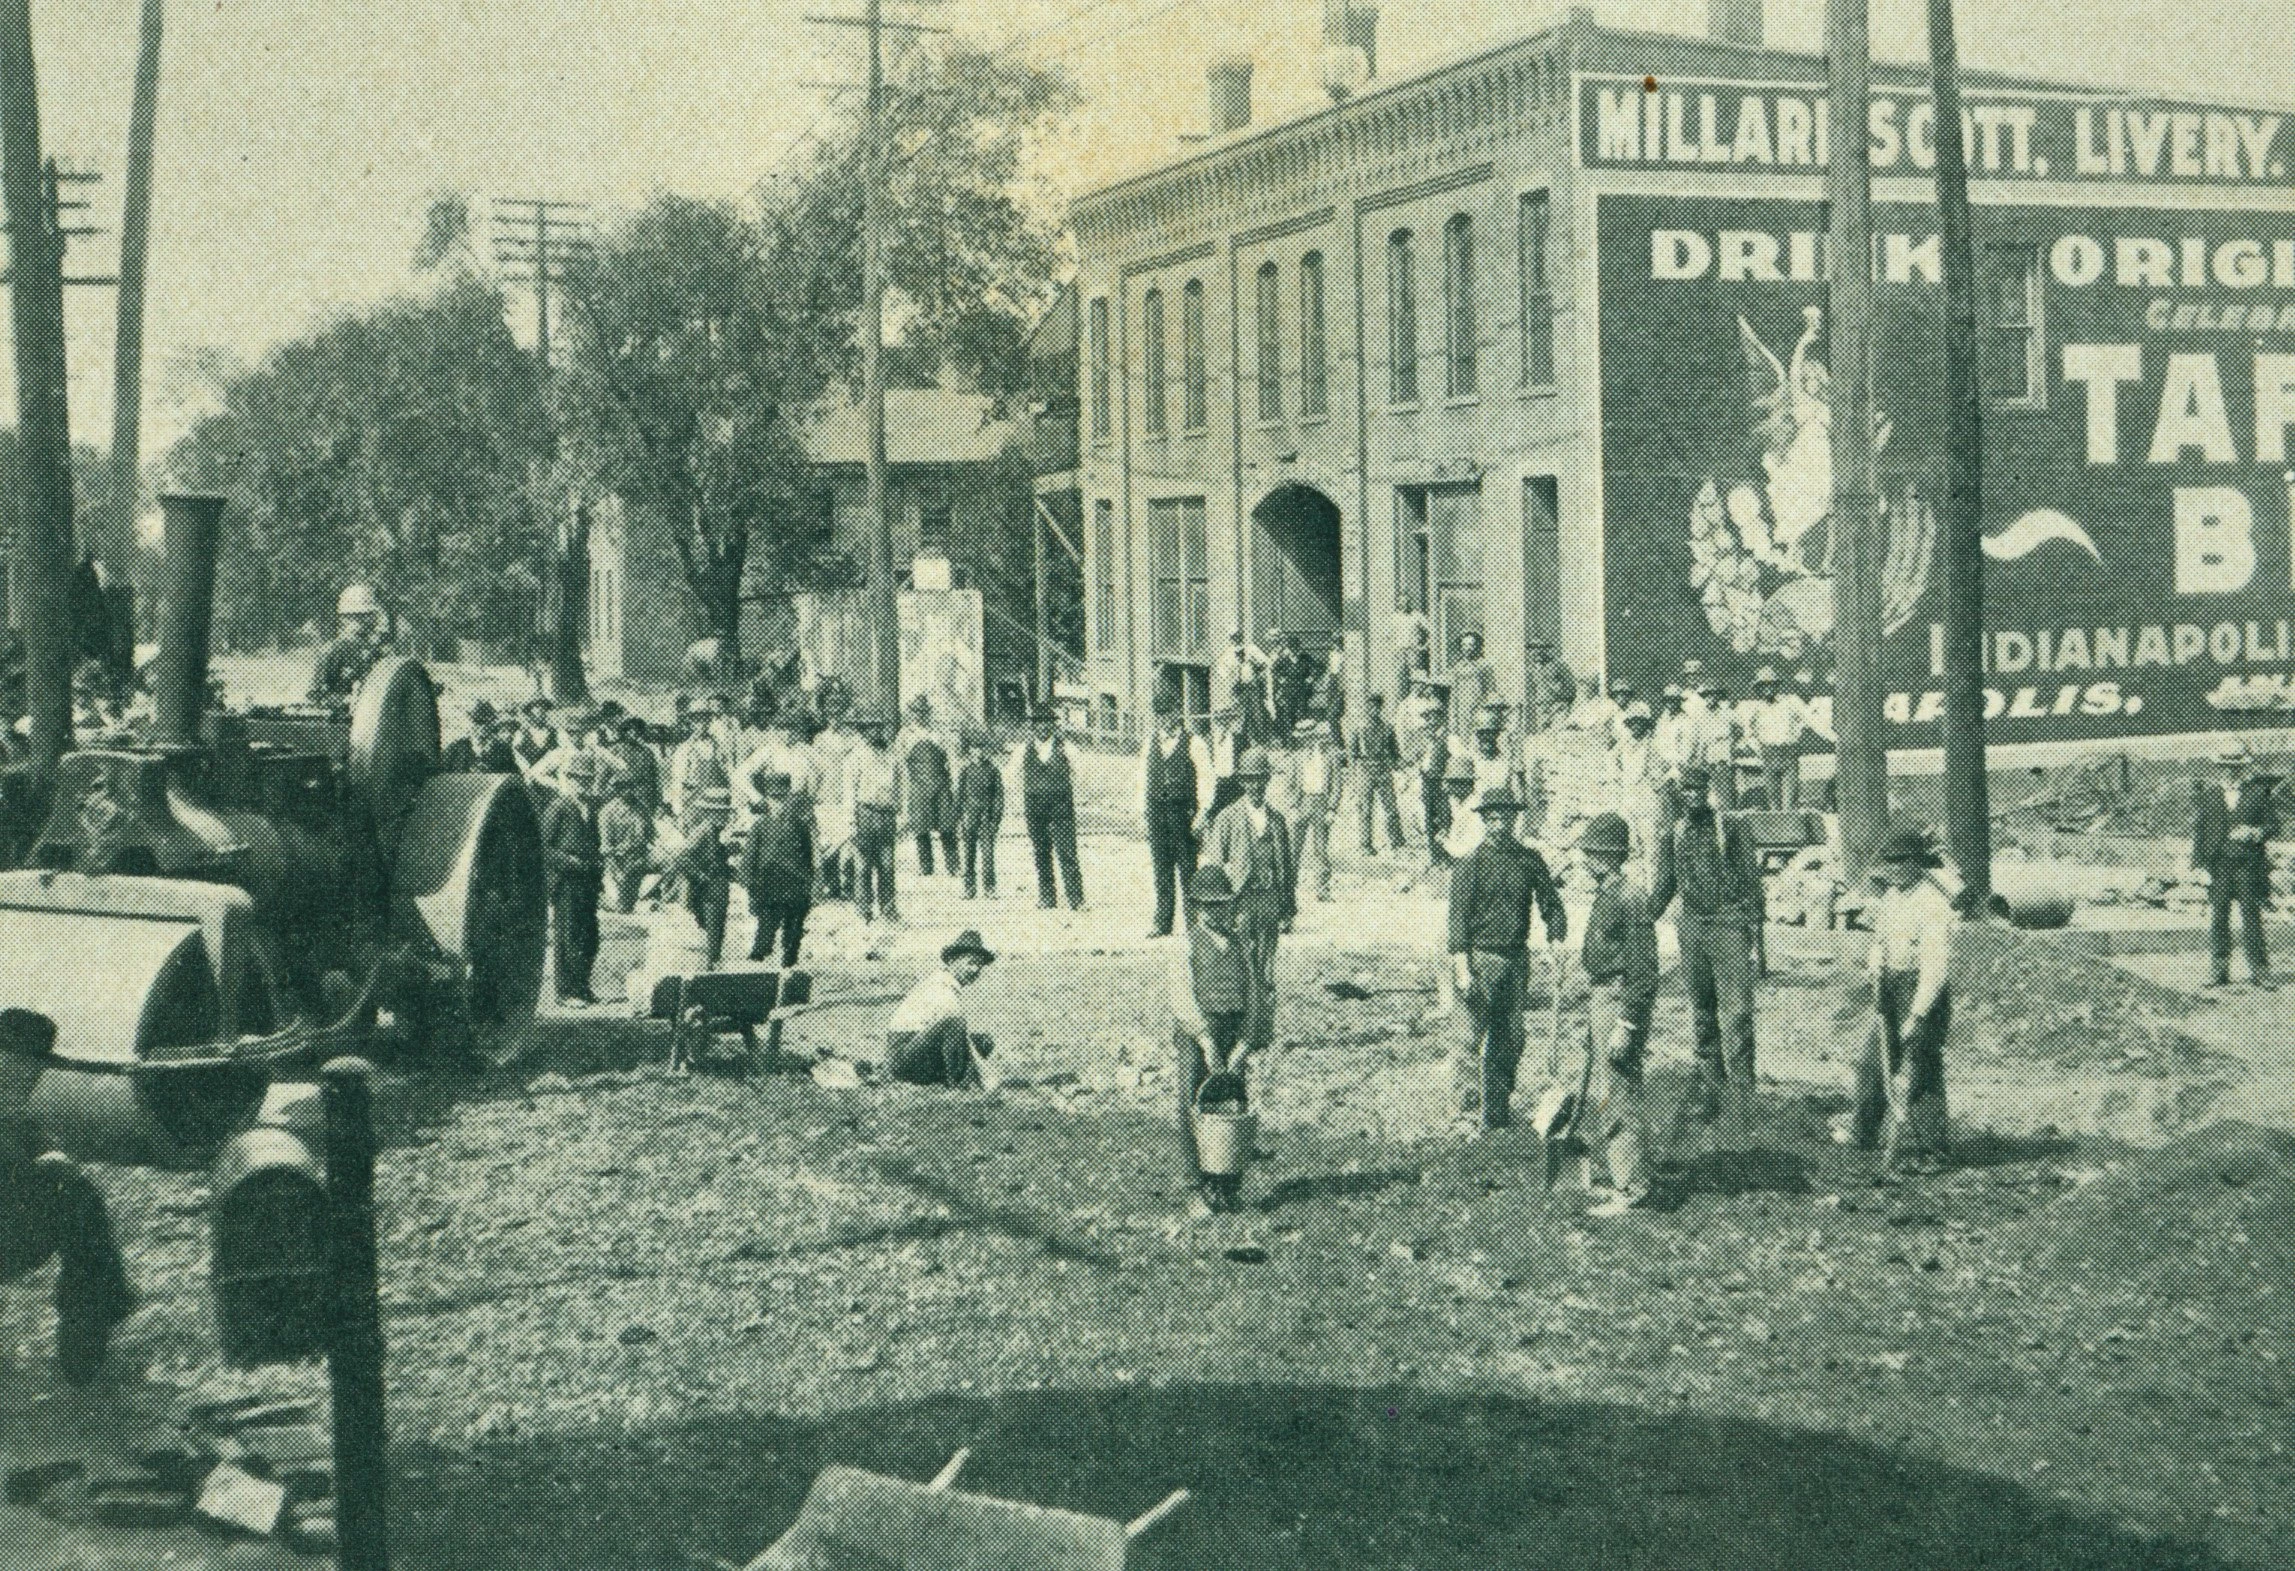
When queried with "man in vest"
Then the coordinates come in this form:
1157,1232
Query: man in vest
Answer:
2231,830
1377,755
928,790
1251,844
1210,1008
1715,868
575,863
1491,894
1048,802
1176,780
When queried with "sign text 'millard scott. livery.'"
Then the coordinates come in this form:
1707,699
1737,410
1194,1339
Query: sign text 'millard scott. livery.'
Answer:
2137,488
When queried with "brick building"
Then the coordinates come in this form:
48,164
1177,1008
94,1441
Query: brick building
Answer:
1533,344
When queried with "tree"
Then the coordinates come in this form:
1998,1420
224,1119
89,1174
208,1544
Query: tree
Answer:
392,445
683,392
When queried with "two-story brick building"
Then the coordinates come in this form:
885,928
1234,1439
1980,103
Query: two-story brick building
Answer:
1533,344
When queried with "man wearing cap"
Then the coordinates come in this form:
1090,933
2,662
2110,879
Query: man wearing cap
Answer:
357,645
703,867
2233,824
927,1041
1175,781
1377,754
872,795
1712,864
575,864
51,1209
979,814
1493,762
1775,723
1621,959
1902,1069
1210,991
1491,893
1315,765
777,868
782,750
927,790
1237,678
1430,750
465,755
536,740
1048,802
1252,845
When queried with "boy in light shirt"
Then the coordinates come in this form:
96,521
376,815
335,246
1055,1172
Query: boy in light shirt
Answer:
1902,1070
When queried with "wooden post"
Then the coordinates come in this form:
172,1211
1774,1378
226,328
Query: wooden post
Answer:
116,546
355,1353
882,595
1861,776
1043,693
1960,531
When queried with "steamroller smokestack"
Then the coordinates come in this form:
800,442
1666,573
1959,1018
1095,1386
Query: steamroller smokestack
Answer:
186,616
1229,82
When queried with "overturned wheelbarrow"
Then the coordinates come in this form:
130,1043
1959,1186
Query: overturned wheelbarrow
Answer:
857,1521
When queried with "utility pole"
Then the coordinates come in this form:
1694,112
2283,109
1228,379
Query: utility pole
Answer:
116,544
1960,535
36,299
535,241
1861,769
881,593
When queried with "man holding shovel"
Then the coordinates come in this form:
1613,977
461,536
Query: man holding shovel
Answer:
1211,987
1621,957
1900,1077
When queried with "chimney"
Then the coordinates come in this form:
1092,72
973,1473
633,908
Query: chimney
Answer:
1734,22
1359,29
1350,48
1229,81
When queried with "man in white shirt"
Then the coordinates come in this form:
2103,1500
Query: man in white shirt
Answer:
1901,1073
1671,734
701,760
1641,790
1713,741
783,751
926,1041
1776,723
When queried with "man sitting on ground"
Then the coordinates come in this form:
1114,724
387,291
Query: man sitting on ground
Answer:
927,1042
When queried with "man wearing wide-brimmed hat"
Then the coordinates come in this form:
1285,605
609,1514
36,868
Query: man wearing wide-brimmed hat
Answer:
1048,802
1175,782
575,864
1902,1071
1491,896
872,794
2233,825
1251,842
1211,988
927,789
927,1041
1315,765
1710,861
1620,954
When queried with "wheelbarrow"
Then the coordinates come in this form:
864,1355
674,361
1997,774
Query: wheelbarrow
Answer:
858,1521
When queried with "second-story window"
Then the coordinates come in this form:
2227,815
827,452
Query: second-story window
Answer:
1269,324
1193,414
1152,409
1536,215
1459,324
1402,319
1314,366
1102,424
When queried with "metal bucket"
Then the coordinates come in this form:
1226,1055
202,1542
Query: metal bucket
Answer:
1223,1140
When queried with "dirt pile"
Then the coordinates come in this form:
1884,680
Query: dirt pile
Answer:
2209,1215
2052,998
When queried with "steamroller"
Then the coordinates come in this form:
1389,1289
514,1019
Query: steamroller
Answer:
244,893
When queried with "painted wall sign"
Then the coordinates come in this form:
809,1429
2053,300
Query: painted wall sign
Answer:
2138,484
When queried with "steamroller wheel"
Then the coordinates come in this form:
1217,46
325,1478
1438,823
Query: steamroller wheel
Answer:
394,740
467,880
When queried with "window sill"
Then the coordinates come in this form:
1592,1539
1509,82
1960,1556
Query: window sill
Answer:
1541,390
1195,431
1462,400
1268,423
1306,421
1410,407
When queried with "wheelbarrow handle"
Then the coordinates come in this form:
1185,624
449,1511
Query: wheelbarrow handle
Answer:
947,1475
1155,1513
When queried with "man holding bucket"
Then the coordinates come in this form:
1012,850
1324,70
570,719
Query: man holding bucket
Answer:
1211,989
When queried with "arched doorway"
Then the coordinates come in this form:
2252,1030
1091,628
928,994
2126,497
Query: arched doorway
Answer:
1297,581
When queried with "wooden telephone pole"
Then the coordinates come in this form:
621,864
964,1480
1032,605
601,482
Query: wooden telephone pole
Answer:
1861,771
36,299
1960,532
116,544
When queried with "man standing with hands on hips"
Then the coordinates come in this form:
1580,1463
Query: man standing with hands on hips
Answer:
2234,823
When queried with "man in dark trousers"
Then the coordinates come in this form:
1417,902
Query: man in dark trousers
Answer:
777,867
1252,844
2233,824
465,755
979,814
1491,893
1377,755
638,764
928,792
1714,866
576,867
703,866
50,1209
1176,776
1210,1007
1048,798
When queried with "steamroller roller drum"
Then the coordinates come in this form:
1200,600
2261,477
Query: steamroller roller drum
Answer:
467,879
394,744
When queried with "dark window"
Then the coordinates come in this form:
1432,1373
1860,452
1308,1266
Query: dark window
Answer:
1179,561
1192,415
1459,326
1537,291
1438,559
1269,325
1153,414
1402,320
1101,424
1314,362
2009,279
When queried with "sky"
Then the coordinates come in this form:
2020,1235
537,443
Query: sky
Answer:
299,142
